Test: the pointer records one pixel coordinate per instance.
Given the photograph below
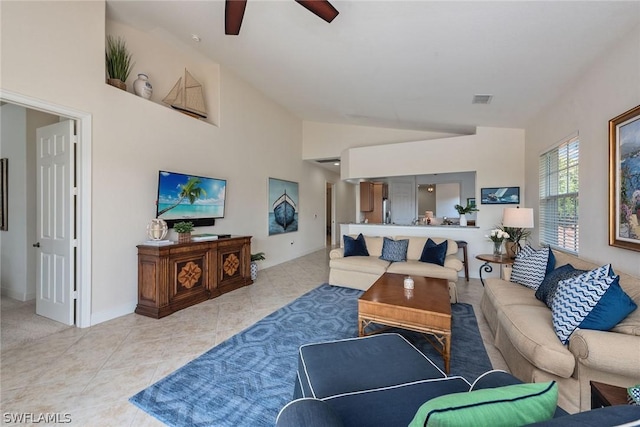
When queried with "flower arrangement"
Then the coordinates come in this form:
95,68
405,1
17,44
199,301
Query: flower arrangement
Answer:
497,235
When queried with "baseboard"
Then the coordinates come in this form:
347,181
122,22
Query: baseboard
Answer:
17,295
107,315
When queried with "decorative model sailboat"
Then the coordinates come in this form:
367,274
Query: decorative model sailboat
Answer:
187,97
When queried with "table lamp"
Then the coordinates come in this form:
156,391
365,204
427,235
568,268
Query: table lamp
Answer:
515,221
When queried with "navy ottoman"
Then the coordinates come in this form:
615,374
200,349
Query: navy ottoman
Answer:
336,367
371,381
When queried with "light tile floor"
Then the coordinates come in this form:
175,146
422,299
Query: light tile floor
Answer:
90,373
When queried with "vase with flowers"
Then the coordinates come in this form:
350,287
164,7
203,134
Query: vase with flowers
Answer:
497,236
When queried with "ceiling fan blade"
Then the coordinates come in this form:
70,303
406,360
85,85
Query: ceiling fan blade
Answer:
321,8
233,14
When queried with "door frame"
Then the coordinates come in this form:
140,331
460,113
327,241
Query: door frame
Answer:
83,206
332,219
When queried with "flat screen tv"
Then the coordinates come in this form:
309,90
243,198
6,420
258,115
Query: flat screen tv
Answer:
183,197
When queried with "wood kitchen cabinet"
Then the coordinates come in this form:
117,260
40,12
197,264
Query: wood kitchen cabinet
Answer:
177,276
375,216
366,196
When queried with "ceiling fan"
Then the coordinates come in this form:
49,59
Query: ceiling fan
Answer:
234,12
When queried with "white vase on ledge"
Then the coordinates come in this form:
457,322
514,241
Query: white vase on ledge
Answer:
463,220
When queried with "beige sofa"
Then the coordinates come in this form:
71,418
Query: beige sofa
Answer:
523,332
362,271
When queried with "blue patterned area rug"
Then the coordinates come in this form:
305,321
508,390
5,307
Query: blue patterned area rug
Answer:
247,379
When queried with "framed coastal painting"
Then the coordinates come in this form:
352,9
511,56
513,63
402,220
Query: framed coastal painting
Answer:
500,196
283,206
624,180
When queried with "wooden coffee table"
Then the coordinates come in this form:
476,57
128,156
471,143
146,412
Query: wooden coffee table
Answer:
426,309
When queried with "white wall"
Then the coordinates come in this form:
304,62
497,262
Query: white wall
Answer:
164,66
54,51
14,241
328,140
608,88
496,154
447,196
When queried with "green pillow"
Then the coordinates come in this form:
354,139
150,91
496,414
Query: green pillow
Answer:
512,405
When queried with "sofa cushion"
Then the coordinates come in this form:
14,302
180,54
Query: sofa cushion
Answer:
511,405
549,285
500,293
394,250
530,267
530,330
355,247
576,297
417,268
434,253
364,264
391,406
308,412
416,244
374,245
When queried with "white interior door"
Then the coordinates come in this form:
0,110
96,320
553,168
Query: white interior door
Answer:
55,276
402,197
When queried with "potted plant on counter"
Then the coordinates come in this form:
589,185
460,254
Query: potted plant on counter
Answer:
463,211
254,265
184,229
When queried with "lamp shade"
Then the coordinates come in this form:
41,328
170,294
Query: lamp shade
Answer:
517,218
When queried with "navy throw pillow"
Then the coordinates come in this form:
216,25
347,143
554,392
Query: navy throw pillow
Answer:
547,288
394,250
355,247
551,262
434,253
612,308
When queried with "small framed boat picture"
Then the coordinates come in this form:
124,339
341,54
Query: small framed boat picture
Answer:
283,206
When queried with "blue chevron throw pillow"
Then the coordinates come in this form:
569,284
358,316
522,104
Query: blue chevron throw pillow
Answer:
576,297
530,267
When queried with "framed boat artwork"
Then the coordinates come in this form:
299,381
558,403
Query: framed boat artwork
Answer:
283,206
624,180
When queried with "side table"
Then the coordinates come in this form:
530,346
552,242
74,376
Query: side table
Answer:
607,395
492,259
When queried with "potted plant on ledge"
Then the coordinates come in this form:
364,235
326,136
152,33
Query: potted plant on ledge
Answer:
118,61
254,265
463,211
184,229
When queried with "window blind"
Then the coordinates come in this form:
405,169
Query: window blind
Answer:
559,187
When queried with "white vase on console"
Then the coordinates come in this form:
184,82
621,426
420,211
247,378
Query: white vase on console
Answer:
463,220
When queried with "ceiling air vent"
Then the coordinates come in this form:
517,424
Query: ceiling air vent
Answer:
328,161
482,99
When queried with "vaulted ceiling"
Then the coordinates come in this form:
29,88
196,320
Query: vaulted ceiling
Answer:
400,64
